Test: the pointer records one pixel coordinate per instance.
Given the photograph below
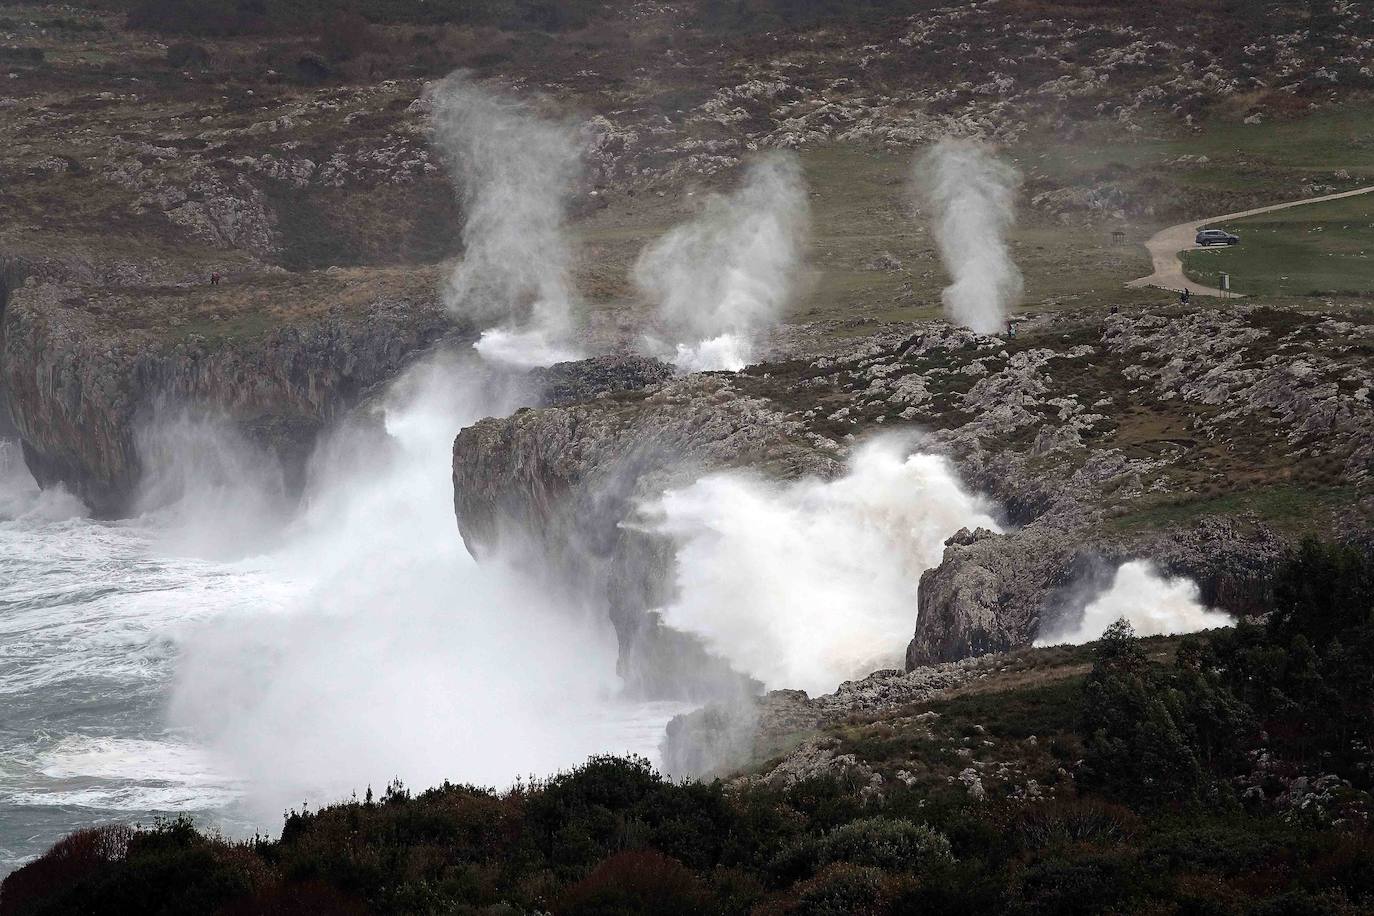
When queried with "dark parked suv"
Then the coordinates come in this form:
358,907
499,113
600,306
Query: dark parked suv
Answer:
1216,237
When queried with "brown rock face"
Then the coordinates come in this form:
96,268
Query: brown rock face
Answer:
78,386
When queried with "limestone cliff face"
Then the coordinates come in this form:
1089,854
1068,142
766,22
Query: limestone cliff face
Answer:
560,487
78,385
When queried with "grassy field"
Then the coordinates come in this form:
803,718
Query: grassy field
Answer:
1273,157
1321,249
861,211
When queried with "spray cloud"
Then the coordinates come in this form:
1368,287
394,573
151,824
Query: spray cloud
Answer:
1154,604
809,583
973,195
212,493
723,278
515,171
382,648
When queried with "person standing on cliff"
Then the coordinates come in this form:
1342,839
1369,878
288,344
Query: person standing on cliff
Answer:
214,279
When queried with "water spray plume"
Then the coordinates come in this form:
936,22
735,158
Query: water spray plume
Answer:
973,196
515,171
809,583
722,280
387,650
1154,604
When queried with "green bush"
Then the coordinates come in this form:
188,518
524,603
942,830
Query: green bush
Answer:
889,844
842,890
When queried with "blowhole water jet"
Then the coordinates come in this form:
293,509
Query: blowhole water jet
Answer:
722,279
973,196
515,171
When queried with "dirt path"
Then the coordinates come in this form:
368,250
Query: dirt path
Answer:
1166,245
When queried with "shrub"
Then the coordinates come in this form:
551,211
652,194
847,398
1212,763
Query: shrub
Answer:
890,844
1135,726
842,890
636,882
170,868
184,55
1321,591
32,56
347,36
1088,883
1056,823
70,861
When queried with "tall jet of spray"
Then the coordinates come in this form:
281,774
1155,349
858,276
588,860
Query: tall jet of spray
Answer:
973,196
515,171
723,278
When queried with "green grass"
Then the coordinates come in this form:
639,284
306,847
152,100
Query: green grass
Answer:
1319,249
1290,508
1270,154
861,209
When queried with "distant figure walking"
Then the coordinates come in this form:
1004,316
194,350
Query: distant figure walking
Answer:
1185,297
214,279
1011,329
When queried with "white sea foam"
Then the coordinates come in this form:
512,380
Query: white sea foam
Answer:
806,584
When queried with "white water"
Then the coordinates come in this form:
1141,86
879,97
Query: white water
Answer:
359,644
807,584
721,280
1155,605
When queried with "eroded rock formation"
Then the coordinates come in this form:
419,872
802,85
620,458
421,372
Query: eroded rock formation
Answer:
1164,436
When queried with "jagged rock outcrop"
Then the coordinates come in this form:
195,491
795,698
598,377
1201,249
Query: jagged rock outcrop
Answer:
995,592
557,485
80,385
586,379
725,737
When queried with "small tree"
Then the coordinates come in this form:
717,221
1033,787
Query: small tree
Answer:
1135,725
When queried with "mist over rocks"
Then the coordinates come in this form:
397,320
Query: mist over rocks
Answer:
79,386
583,380
1071,387
722,738
557,488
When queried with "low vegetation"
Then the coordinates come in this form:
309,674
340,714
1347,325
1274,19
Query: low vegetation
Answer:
1324,249
1224,773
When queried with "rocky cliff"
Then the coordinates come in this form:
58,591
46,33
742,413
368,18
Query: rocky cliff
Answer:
561,486
84,368
1204,441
